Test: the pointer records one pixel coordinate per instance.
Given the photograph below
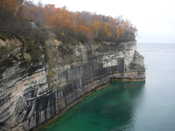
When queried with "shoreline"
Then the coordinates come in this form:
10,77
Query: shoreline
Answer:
81,98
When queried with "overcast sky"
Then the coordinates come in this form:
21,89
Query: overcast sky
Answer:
154,19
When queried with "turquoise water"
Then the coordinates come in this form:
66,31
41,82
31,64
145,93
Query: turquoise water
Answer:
133,106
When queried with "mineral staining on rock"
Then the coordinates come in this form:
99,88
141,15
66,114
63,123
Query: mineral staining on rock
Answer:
30,98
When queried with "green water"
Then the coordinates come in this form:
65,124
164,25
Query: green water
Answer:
104,110
131,106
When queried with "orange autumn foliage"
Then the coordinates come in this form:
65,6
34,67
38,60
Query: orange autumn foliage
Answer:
79,24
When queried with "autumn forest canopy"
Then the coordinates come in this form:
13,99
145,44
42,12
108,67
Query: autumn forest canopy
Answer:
16,17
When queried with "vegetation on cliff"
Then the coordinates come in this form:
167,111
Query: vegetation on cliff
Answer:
28,23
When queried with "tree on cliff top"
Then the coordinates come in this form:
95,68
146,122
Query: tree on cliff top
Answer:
82,26
79,24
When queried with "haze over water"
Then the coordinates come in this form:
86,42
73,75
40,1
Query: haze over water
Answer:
130,106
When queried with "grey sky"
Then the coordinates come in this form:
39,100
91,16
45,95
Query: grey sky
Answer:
154,19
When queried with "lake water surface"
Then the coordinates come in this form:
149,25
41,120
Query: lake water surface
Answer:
131,106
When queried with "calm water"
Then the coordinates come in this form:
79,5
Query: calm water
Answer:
130,106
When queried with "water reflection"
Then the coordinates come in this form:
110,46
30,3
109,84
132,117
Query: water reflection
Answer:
131,96
111,109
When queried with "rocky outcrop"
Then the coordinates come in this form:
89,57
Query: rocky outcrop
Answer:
30,98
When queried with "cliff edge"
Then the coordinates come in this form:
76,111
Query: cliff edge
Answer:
30,97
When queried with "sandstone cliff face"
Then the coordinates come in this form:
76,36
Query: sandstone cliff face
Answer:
31,98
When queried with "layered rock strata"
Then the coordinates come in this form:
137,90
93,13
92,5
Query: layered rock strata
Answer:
30,98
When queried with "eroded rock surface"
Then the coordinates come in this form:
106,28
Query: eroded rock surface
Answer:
31,98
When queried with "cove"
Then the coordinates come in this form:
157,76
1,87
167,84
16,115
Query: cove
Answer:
104,110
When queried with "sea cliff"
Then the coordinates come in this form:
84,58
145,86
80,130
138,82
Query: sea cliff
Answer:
30,97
